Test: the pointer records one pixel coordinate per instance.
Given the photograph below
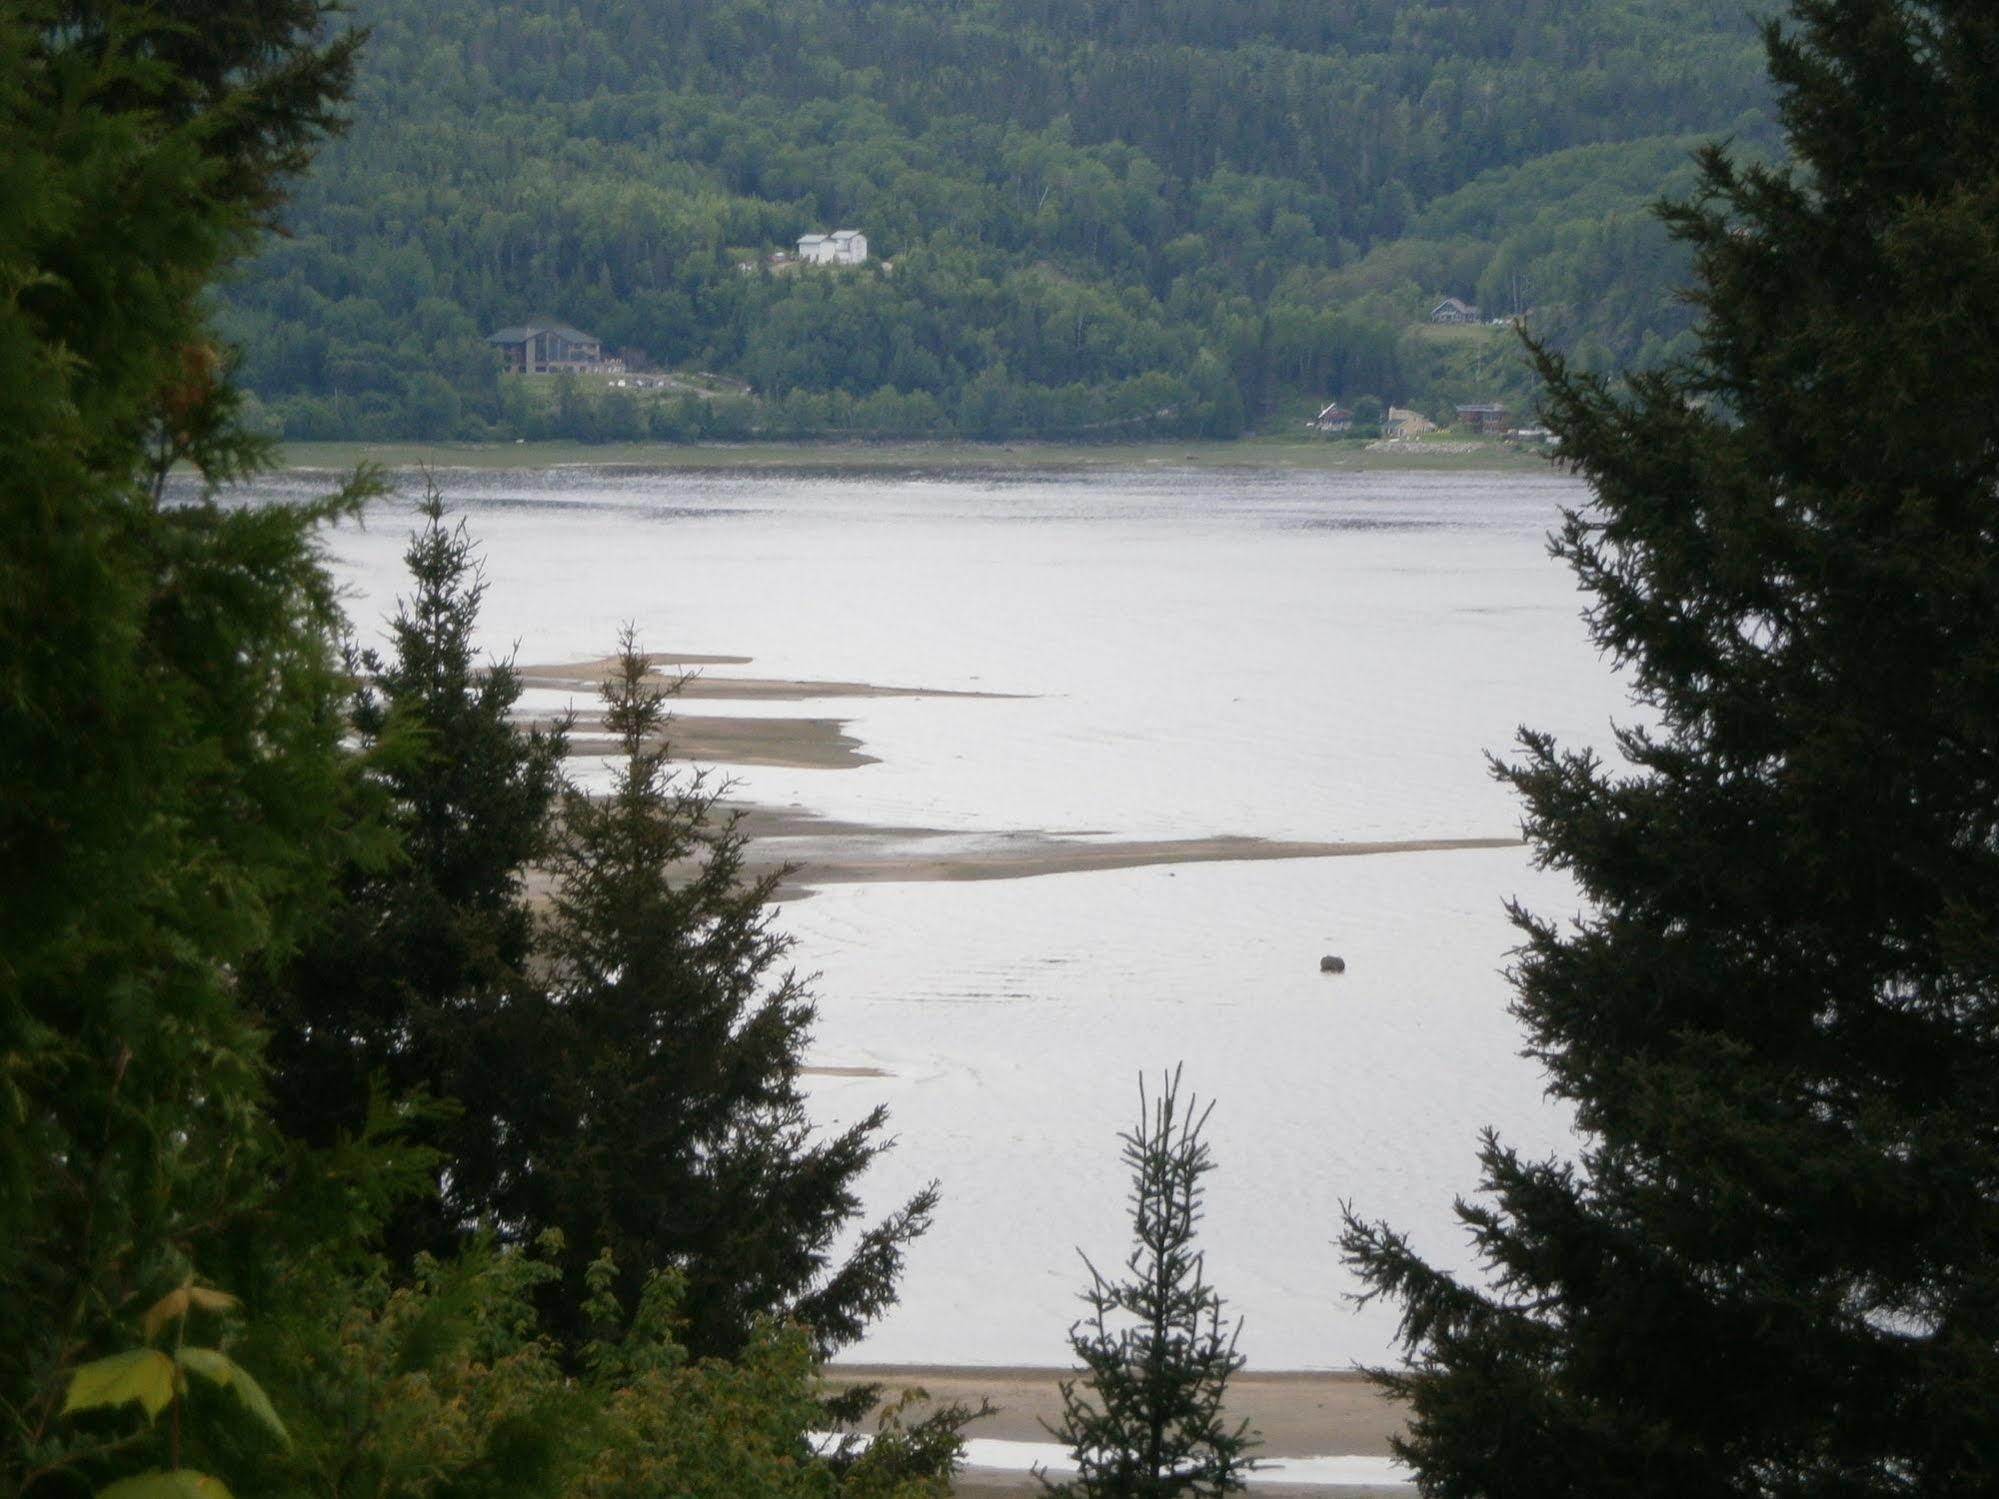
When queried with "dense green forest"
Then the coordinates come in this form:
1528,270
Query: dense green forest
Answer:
1105,216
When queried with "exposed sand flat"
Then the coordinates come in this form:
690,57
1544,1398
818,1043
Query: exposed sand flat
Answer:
596,671
857,858
819,852
822,851
1298,1414
1304,1414
706,738
795,743
990,1483
587,675
761,822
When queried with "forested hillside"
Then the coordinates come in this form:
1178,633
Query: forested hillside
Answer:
1109,216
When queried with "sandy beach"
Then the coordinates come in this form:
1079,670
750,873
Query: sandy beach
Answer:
1297,1415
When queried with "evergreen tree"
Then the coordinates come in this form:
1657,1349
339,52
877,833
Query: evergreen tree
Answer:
1151,1422
172,797
1774,1269
664,1125
401,990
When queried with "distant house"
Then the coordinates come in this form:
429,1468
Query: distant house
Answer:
1335,418
841,247
1451,310
1482,417
1402,422
543,346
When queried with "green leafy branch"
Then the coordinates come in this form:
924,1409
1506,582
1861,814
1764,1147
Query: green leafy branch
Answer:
156,1380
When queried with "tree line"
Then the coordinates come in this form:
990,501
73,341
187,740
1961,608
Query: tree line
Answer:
1054,231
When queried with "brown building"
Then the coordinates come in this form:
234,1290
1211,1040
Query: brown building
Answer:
543,346
1482,418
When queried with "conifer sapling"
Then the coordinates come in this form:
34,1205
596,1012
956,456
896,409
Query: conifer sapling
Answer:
1147,1418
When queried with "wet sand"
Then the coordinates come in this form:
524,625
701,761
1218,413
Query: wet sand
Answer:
828,852
1297,1415
712,739
683,679
816,743
868,856
854,853
816,852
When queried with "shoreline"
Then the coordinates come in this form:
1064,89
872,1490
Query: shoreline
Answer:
1298,1413
824,455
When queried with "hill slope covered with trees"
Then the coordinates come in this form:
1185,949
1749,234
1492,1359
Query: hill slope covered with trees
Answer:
1098,215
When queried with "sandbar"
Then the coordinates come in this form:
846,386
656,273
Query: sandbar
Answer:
686,682
894,855
814,852
711,738
814,743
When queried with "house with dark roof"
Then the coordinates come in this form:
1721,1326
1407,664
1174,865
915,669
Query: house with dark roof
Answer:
543,346
1451,310
1482,417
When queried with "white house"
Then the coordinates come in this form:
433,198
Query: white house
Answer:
841,247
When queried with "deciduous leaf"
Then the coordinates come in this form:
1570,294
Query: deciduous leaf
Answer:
176,1303
219,1368
145,1375
179,1483
163,1311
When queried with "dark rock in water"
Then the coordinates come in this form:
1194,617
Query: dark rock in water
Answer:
1331,964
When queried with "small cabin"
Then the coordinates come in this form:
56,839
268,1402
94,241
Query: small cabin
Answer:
1451,310
1335,418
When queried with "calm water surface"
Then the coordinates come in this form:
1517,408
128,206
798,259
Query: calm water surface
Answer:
1319,656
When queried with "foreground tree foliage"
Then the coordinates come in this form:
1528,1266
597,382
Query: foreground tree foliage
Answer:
1775,1268
172,794
179,812
667,1127
444,1382
1146,1421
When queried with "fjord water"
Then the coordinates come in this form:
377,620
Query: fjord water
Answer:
1186,652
